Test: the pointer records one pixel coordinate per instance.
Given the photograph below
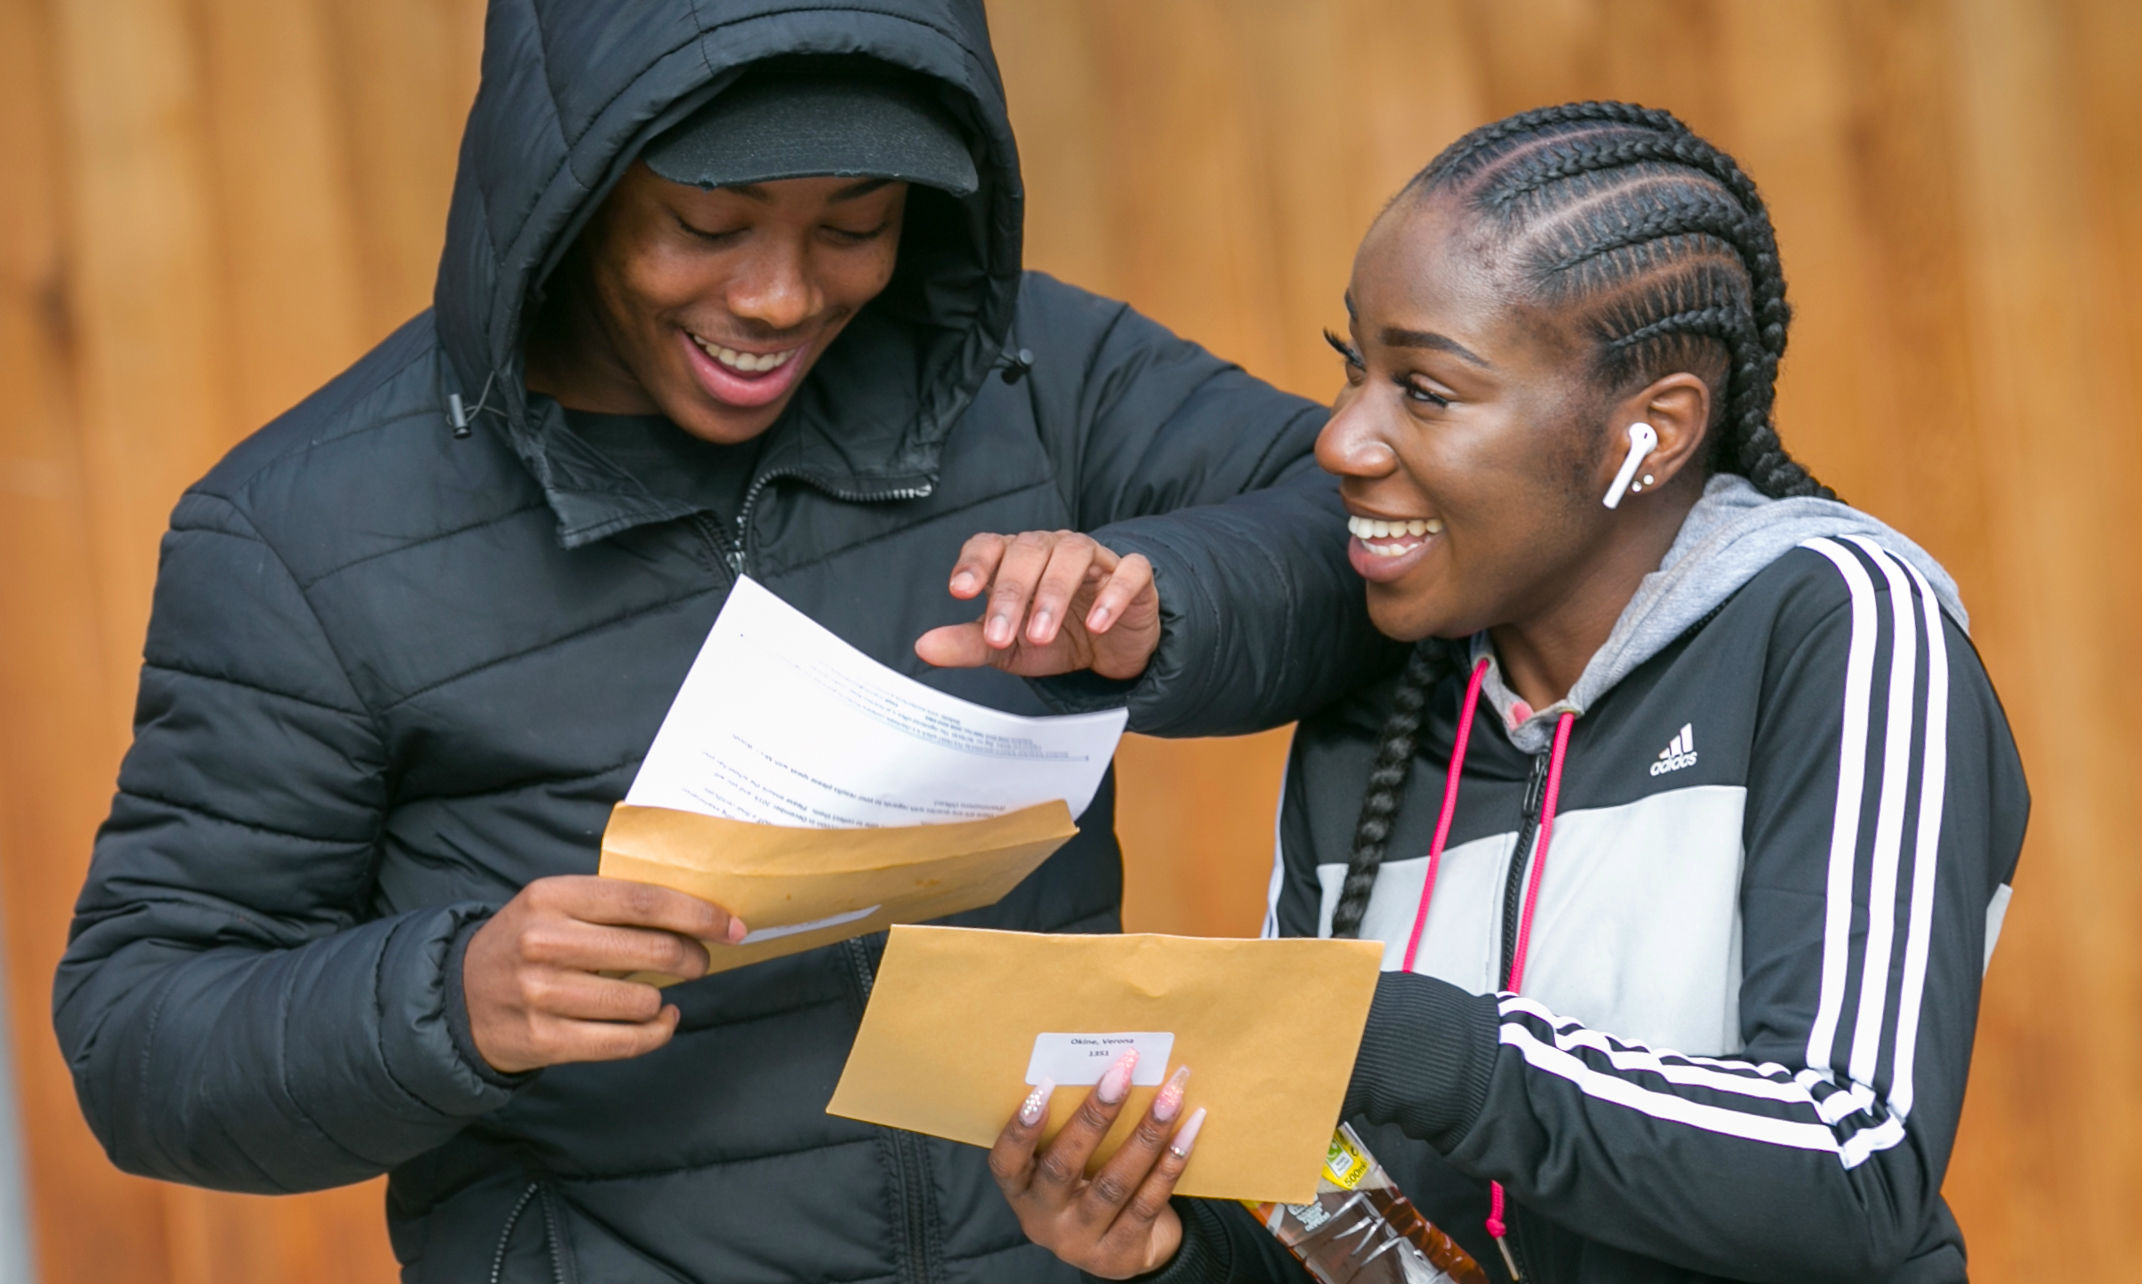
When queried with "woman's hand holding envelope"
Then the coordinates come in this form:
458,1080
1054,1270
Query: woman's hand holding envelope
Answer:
1117,1223
1058,602
533,973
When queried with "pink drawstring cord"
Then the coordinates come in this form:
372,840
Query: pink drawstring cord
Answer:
1450,807
1496,1227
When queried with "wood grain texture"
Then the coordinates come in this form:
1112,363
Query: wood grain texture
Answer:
213,205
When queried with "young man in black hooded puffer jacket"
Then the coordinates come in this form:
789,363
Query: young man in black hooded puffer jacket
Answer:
729,288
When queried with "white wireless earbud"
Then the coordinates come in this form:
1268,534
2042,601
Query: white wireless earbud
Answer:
1643,439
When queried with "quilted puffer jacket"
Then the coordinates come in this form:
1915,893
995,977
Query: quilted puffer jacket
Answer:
396,671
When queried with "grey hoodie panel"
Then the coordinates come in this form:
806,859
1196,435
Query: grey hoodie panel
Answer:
1731,534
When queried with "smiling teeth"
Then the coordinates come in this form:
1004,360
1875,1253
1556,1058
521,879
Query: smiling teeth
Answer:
1367,528
744,362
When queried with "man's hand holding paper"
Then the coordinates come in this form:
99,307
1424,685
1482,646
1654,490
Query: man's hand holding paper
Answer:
540,975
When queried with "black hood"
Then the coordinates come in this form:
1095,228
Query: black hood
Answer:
570,93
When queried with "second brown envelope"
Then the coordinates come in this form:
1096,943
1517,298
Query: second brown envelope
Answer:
1268,1028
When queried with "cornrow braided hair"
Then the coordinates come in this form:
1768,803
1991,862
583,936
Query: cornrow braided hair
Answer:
1387,779
1661,249
1658,245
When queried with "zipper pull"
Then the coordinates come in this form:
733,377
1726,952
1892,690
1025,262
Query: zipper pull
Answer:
1536,788
735,556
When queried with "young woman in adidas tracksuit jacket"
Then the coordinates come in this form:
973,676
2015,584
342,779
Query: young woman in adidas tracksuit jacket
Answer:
1688,826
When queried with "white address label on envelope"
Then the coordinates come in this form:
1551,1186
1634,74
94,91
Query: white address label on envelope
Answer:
1075,1059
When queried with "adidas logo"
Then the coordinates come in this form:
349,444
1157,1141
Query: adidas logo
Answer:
1679,753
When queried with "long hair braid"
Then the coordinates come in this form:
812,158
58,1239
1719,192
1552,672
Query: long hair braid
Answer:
1387,781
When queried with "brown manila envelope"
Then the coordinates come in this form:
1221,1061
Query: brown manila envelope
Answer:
798,889
820,795
961,1021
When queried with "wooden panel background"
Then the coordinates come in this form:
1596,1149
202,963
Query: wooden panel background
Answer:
209,206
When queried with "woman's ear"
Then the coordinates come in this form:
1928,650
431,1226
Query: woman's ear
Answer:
1678,408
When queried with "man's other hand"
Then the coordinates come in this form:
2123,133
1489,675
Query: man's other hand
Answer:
1056,602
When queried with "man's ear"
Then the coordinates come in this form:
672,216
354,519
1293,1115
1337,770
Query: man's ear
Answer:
1678,408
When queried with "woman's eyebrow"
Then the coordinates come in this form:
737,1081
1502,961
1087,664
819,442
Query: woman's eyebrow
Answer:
1429,339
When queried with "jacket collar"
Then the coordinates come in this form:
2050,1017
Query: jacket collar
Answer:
594,499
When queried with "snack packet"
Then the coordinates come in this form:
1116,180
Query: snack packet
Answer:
1362,1229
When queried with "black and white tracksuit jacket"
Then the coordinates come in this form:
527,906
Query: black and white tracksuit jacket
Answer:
1781,849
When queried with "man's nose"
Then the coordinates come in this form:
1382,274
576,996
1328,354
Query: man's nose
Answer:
775,289
1351,445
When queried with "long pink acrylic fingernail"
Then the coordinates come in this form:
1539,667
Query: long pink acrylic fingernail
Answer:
1036,1102
1170,1099
1116,1083
1186,1136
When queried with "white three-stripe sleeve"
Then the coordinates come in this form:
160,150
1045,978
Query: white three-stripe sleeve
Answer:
1851,782
1933,782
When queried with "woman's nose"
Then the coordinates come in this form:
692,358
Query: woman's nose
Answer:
1351,446
775,288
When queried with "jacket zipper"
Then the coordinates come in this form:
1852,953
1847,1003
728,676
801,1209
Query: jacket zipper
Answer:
726,552
536,1192
909,1170
1513,908
505,1235
1513,888
737,552
562,1269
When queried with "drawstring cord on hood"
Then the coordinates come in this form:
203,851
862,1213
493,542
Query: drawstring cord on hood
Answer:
1014,363
1450,807
461,415
1496,1227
